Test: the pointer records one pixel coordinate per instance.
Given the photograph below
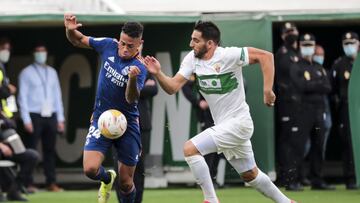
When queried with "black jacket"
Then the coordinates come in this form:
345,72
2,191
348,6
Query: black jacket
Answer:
311,82
146,95
285,57
341,72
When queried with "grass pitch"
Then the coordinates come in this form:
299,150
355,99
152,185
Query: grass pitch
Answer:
228,195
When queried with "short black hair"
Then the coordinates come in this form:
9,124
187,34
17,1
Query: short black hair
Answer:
209,30
133,29
39,44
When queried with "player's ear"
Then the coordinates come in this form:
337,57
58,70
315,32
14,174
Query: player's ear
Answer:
140,48
210,43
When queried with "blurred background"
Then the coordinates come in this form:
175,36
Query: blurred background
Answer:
168,25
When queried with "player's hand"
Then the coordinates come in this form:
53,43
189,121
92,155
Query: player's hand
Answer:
6,150
29,128
60,127
269,98
133,71
12,89
203,105
152,64
70,22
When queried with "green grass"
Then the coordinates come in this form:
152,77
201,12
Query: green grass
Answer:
228,195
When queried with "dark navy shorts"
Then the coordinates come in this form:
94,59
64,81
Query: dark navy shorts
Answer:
128,146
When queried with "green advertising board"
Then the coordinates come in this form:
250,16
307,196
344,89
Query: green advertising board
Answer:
354,110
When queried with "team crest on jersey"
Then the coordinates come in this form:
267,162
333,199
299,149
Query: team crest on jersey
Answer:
125,71
217,67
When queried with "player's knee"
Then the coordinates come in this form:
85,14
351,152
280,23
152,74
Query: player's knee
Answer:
126,186
91,171
189,149
249,175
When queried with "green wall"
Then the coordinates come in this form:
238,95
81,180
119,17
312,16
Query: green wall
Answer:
354,109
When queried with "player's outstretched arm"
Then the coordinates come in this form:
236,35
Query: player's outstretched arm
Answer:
132,93
171,85
74,36
266,61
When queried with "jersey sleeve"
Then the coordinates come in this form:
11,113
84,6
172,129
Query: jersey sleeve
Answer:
187,66
100,44
239,54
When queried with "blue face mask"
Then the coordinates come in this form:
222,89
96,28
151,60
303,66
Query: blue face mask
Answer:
40,57
318,59
351,49
307,50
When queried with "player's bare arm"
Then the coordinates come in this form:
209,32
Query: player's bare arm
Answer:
132,93
74,36
266,61
171,85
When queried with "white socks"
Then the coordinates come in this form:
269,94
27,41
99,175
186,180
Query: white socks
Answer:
200,170
263,184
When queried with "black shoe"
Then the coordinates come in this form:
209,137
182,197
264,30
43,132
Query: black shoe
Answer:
296,187
322,186
16,196
351,186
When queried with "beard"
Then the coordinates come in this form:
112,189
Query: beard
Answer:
202,51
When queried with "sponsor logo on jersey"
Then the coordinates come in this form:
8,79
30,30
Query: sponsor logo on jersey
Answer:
217,84
125,71
115,77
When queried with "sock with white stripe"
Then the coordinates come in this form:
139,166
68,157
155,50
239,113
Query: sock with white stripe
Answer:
263,184
200,170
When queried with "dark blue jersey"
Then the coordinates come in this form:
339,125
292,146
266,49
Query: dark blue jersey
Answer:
113,78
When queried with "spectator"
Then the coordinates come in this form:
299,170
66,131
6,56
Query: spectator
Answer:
41,110
287,103
341,72
312,83
8,90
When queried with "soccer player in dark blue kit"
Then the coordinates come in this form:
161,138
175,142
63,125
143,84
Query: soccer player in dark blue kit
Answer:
121,78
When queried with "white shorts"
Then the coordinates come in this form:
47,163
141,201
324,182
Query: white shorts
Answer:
231,137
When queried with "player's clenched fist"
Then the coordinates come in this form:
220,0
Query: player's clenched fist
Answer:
133,71
269,98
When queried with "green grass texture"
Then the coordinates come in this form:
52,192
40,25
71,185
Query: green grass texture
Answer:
193,195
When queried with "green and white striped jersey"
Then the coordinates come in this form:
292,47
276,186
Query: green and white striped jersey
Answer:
220,80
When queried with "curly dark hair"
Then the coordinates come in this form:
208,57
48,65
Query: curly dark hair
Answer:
133,29
209,30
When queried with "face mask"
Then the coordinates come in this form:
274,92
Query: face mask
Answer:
318,59
4,56
350,49
307,51
290,39
40,57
